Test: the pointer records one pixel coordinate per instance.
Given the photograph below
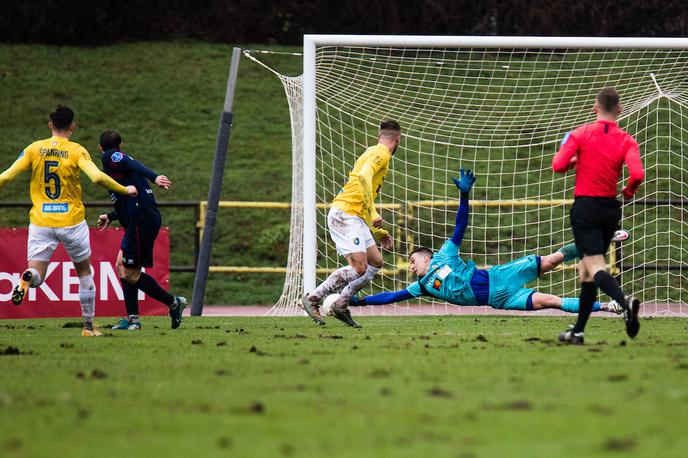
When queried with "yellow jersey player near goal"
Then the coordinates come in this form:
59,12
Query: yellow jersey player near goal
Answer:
353,221
57,215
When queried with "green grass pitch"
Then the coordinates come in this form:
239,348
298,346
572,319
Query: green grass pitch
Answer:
401,387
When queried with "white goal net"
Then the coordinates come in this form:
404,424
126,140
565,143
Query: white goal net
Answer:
502,111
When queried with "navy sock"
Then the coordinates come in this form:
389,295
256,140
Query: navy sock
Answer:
149,286
588,296
131,299
606,283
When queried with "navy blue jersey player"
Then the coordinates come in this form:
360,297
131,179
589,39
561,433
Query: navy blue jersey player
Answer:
140,218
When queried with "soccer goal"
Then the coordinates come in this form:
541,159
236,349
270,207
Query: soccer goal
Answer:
500,106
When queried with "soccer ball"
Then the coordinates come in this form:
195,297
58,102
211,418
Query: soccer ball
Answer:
620,236
328,303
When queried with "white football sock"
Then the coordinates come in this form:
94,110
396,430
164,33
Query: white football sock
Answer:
337,280
87,298
357,285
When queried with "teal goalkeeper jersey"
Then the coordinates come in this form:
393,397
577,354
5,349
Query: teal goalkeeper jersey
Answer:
448,277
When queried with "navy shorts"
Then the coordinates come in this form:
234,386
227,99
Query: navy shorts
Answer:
139,238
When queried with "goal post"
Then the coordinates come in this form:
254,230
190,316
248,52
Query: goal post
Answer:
499,105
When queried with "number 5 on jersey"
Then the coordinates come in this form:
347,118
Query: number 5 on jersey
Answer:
51,175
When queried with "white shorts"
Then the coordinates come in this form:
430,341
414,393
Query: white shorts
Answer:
44,240
349,233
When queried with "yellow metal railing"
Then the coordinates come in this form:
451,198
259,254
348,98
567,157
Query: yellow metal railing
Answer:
407,212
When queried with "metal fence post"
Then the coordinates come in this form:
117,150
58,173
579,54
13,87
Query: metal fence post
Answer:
222,143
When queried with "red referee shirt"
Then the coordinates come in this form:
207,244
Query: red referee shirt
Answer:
602,148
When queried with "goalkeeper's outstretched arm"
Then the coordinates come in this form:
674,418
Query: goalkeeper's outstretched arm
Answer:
382,298
464,183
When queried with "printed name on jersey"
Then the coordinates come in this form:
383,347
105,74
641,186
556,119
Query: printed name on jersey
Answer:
443,272
117,156
53,152
55,208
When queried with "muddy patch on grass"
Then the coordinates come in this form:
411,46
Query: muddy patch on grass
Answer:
620,444
518,404
437,392
73,324
13,351
379,373
617,378
255,350
224,442
602,410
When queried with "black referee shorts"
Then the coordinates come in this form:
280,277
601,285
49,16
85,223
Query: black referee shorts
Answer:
594,221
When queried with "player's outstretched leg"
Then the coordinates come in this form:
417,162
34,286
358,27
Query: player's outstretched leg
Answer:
572,305
564,254
177,304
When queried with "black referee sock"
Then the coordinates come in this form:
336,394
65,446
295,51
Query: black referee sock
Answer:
588,296
149,286
606,283
131,299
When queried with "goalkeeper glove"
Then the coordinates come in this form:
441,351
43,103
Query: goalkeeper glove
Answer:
465,180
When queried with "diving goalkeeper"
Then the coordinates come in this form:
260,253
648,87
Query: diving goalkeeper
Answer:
446,276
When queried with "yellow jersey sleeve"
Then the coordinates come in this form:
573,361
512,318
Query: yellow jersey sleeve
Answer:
96,175
22,164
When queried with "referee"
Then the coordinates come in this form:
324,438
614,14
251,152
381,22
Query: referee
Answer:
598,151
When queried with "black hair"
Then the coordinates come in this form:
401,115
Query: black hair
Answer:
110,139
421,250
608,99
62,117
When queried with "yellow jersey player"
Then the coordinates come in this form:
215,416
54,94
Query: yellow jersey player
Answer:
57,215
353,221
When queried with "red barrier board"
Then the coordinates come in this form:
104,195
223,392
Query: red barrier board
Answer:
58,296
